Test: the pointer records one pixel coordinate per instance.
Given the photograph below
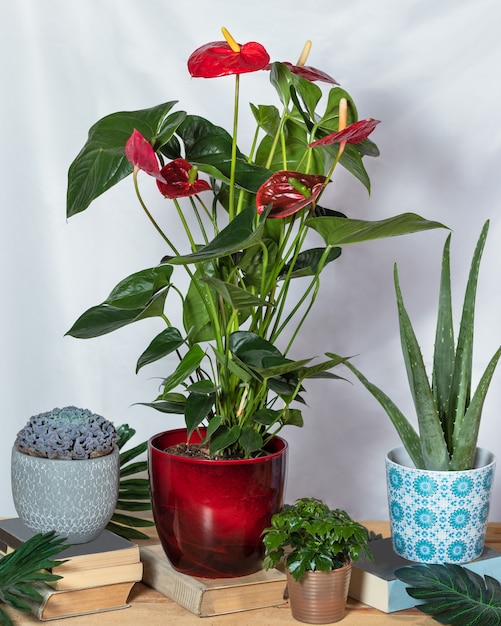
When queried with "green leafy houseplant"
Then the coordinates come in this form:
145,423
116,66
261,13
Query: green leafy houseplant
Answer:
313,537
453,594
448,411
248,216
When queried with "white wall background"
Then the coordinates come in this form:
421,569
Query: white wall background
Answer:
428,70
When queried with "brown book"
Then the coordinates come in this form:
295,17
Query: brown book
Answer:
78,579
107,550
212,596
56,604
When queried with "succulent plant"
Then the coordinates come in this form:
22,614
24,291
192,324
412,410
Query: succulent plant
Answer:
67,433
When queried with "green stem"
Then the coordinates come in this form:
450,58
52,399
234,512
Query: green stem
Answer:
150,216
234,149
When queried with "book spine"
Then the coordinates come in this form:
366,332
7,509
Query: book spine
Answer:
167,583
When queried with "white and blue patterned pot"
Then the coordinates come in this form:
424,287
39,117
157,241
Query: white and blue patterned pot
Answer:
76,498
438,517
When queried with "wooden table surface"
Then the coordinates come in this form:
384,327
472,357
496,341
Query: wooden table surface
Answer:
150,608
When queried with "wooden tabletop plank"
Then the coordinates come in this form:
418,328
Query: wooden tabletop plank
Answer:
150,608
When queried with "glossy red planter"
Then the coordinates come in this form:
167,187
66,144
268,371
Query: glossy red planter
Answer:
210,514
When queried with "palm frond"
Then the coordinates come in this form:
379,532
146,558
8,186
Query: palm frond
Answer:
134,493
27,565
453,594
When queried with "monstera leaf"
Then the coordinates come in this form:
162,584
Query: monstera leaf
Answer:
453,594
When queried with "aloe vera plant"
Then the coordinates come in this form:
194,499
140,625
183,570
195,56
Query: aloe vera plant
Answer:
448,412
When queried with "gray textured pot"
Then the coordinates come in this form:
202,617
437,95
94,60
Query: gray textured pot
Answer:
76,498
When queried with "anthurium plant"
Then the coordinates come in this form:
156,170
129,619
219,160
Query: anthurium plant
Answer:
248,215
448,409
310,536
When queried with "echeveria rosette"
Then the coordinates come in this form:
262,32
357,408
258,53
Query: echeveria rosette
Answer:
286,192
180,180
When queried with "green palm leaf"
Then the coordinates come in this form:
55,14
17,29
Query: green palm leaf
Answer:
453,594
26,566
134,492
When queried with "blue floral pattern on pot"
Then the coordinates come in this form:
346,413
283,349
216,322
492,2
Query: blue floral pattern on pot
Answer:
439,517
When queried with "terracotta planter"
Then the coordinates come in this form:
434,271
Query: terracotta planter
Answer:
319,597
439,517
76,498
210,514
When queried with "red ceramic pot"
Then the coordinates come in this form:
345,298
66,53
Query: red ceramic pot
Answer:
210,514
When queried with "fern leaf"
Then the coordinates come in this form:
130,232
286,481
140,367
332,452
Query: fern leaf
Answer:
131,490
23,568
453,594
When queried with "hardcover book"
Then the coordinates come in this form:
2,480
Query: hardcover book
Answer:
57,604
107,550
207,597
374,582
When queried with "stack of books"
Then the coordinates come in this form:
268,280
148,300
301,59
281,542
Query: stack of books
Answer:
98,575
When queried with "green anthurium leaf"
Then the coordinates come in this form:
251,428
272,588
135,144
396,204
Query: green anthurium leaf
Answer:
267,116
196,319
101,163
252,349
136,290
292,417
309,92
224,437
166,406
241,373
281,79
197,408
329,121
163,344
213,424
250,440
188,364
320,368
102,319
352,161
266,417
278,366
239,234
204,387
306,263
236,297
338,231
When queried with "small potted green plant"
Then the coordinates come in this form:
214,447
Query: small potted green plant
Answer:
442,457
65,473
317,546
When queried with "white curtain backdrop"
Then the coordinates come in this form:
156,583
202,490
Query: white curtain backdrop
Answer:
428,70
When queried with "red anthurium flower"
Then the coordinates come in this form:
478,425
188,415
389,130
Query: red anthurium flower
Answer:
140,153
288,192
181,180
221,58
354,133
308,72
